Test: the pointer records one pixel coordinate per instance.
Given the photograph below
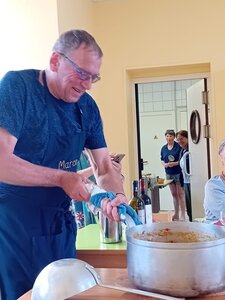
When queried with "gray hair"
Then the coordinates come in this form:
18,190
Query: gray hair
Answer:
72,40
221,147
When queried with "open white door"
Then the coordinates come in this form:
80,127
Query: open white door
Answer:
198,146
152,139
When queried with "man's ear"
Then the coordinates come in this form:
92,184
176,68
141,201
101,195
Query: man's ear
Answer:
55,61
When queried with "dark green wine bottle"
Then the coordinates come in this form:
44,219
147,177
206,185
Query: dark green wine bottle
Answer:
147,200
137,203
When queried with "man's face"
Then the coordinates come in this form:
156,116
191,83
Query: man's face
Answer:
68,84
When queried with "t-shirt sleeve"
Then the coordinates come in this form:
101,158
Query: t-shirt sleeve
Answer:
162,156
95,138
12,92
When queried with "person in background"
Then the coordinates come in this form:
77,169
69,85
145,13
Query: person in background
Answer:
46,119
83,215
214,201
170,160
182,139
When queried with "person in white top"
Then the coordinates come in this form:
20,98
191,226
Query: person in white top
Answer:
182,139
214,201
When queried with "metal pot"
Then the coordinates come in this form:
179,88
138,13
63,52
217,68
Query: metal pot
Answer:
177,269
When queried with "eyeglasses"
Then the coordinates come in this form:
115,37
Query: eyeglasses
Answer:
83,75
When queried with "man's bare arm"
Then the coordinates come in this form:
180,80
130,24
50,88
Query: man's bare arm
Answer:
17,171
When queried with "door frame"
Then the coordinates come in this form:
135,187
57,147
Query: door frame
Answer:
207,121
136,74
136,121
207,83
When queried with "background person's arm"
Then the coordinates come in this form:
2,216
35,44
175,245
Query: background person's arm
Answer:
165,165
109,178
173,164
89,171
86,172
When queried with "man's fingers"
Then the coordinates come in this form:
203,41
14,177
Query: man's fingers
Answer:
82,195
115,214
110,211
118,200
107,208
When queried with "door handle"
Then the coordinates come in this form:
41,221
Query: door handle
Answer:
195,126
186,154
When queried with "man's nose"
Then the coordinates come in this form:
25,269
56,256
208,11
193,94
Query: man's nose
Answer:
87,83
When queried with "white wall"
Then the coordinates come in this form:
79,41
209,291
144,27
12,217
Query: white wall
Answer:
27,29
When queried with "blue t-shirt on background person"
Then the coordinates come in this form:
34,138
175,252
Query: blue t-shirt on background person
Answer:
171,155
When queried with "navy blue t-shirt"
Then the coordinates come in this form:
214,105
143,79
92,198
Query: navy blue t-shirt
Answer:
171,156
24,114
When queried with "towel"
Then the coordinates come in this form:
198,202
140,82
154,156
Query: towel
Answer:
97,195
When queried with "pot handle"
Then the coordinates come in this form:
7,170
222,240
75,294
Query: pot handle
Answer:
139,292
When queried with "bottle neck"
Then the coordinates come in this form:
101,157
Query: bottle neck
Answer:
135,194
135,188
142,186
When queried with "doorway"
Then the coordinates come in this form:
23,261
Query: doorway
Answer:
161,105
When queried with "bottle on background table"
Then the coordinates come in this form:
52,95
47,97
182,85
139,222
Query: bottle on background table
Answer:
147,200
137,203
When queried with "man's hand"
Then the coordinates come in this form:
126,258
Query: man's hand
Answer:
74,186
109,207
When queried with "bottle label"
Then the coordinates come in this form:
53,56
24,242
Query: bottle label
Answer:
141,215
148,213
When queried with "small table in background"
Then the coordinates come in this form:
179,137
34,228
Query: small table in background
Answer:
155,195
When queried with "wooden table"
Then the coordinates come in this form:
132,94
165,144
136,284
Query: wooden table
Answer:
115,277
165,183
155,195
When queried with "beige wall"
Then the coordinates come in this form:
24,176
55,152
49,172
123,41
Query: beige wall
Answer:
75,14
140,38
136,34
28,30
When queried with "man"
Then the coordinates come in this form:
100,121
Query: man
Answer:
46,120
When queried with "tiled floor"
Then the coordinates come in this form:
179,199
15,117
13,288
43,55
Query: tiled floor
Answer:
167,216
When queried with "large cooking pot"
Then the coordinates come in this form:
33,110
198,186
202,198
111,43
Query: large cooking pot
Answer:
177,269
